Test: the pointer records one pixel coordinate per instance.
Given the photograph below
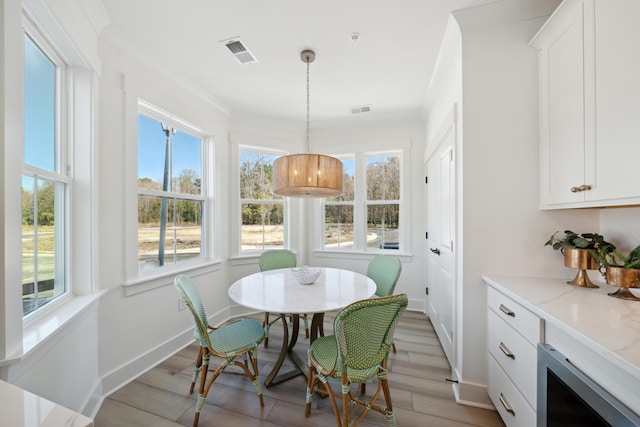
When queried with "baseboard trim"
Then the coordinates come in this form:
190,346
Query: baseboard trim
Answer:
126,373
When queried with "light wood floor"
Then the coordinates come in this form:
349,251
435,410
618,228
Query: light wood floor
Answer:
420,394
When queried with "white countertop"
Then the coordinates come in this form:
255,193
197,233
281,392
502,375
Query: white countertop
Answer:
20,408
610,327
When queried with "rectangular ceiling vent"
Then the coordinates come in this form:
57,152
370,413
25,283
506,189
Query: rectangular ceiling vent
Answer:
361,109
240,51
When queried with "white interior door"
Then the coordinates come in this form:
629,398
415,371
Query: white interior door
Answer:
441,235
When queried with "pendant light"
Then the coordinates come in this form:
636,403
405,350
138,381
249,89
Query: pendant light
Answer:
307,175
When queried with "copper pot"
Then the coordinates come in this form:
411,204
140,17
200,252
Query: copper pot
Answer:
624,278
582,260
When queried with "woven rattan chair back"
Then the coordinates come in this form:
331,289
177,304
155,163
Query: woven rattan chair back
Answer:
277,258
385,271
364,331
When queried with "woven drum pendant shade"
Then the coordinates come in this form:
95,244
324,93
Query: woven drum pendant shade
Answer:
307,175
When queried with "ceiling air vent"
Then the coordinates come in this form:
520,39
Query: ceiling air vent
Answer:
361,109
241,52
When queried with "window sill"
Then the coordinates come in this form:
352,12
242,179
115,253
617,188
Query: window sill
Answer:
165,278
38,331
351,254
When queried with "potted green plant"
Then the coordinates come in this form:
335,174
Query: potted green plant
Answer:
620,270
577,250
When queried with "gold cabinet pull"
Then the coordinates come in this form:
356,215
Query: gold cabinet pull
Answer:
583,187
506,351
507,311
506,405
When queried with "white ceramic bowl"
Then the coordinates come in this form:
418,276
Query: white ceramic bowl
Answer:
305,275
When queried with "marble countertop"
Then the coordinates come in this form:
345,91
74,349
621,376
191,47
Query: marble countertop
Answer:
607,328
20,408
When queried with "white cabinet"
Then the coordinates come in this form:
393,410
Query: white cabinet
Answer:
589,104
513,333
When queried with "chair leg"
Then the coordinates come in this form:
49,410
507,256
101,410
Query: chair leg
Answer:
196,371
393,346
345,399
391,418
203,380
266,325
306,326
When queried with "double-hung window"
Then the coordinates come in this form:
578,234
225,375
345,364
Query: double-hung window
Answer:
45,183
383,201
171,193
262,212
339,211
367,215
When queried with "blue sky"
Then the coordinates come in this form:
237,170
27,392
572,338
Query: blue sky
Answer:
151,150
39,107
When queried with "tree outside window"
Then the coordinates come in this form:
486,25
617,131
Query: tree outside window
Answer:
339,211
383,201
170,194
262,212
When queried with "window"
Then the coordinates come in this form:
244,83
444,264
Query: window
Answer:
262,212
339,211
170,190
383,201
45,185
367,214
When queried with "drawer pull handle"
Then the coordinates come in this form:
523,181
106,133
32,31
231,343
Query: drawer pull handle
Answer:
507,311
506,351
506,405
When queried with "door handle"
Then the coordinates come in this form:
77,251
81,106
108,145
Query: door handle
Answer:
435,251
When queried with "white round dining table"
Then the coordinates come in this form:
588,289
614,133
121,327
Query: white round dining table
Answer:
277,291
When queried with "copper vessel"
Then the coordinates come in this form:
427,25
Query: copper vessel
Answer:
582,260
624,278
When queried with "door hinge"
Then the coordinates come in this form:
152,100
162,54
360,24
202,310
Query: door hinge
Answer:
426,179
426,235
426,290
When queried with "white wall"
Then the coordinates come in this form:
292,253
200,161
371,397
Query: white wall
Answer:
500,227
621,226
137,331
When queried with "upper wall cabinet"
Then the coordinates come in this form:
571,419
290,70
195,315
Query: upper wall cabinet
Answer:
589,61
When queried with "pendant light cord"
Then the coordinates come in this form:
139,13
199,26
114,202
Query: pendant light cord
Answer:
308,115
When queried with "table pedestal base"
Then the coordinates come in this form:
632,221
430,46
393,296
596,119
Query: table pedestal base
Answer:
287,349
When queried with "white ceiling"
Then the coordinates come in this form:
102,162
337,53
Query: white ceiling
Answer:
388,68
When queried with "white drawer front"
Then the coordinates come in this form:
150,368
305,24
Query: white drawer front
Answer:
505,396
521,319
515,355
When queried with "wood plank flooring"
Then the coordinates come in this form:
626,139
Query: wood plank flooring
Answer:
420,394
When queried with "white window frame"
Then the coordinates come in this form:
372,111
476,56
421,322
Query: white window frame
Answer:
170,120
360,152
60,174
142,280
237,219
76,130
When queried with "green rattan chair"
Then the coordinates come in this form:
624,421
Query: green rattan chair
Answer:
230,341
385,271
356,353
272,260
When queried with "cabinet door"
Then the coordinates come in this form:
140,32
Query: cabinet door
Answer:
612,162
562,107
